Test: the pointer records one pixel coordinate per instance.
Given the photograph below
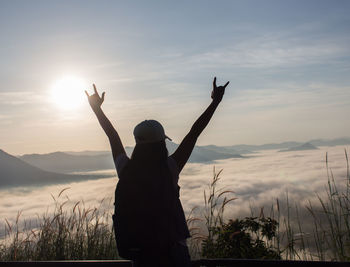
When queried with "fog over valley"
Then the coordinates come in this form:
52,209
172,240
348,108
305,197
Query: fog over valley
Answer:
257,179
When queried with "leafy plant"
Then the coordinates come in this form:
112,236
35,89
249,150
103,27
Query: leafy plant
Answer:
242,239
237,238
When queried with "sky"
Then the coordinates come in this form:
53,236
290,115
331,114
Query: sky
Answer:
288,64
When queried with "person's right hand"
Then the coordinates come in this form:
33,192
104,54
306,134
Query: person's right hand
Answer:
218,92
95,100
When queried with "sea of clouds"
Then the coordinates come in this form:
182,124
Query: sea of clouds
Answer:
257,181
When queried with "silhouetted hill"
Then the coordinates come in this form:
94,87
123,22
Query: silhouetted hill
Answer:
283,145
15,172
227,150
88,153
334,142
67,162
306,146
201,154
287,145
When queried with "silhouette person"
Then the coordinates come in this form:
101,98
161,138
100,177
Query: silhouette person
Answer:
149,221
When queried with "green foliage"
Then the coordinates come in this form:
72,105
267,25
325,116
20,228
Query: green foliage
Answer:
290,236
247,238
242,239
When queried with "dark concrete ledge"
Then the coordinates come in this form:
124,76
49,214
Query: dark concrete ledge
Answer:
85,263
246,262
195,263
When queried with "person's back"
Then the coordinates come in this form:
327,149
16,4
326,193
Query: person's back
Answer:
144,204
149,221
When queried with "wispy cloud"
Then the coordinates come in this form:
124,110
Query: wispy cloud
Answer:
272,51
18,97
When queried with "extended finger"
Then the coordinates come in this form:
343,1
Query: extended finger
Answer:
95,89
214,82
226,84
87,93
103,96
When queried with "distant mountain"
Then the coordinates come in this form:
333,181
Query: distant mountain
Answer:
201,154
333,142
287,145
306,146
88,153
16,172
68,162
227,149
252,148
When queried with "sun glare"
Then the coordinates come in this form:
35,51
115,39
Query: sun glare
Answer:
68,92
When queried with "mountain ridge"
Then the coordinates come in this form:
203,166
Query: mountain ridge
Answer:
68,162
16,172
64,162
303,147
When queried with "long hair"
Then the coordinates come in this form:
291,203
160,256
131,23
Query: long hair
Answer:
148,168
148,193
149,154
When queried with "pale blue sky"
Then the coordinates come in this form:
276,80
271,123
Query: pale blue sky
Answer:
288,63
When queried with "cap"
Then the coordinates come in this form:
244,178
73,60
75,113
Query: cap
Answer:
149,131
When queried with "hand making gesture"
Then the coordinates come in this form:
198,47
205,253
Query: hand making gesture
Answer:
95,100
184,150
218,92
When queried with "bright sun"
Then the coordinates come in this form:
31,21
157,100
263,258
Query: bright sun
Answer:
68,92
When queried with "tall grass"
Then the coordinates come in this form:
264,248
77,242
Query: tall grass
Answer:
322,232
215,202
330,237
319,230
68,233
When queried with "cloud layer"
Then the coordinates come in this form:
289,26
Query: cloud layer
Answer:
257,181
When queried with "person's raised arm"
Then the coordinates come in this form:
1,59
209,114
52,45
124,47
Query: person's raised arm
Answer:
184,150
95,102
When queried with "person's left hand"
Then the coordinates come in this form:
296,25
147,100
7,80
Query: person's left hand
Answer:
218,91
95,100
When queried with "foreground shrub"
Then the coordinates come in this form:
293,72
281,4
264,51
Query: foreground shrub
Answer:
249,238
321,233
242,239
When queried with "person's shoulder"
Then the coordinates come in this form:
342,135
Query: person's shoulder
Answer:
121,157
120,162
171,160
172,164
